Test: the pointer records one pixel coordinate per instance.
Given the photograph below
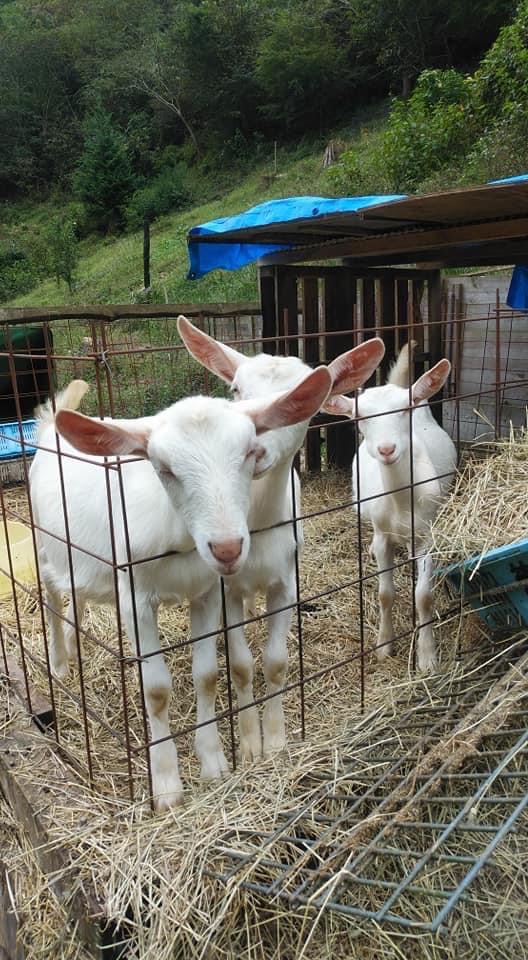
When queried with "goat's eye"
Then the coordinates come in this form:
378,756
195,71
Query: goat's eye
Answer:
257,452
235,390
164,473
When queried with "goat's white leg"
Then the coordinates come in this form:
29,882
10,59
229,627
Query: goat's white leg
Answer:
167,789
242,670
427,659
384,553
70,640
205,617
275,663
62,645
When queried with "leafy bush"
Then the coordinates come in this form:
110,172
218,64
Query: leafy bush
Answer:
501,81
500,95
429,130
21,266
359,173
17,272
164,193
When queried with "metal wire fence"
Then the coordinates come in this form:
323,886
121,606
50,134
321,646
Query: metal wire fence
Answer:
136,366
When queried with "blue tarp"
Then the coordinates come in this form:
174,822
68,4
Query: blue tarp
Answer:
231,255
205,256
520,176
517,297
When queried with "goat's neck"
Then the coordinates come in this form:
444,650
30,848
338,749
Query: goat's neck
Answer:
270,496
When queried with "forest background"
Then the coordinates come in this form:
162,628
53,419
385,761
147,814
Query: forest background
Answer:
177,111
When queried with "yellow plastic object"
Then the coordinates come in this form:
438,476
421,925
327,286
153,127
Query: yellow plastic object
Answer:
22,556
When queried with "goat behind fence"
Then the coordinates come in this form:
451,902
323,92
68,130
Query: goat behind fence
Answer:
135,367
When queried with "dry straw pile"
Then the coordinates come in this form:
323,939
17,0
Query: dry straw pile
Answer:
489,505
152,875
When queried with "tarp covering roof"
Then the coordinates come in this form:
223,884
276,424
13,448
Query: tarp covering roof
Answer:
216,247
373,229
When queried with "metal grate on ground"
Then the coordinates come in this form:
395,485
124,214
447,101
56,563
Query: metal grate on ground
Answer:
398,832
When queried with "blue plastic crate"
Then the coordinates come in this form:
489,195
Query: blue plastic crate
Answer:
10,445
498,590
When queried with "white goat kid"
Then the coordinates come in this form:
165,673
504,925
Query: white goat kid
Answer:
386,469
270,567
190,494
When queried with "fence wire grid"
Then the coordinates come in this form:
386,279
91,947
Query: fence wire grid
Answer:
137,366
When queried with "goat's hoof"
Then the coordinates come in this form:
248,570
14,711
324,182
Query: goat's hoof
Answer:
60,670
384,649
250,747
214,766
428,664
167,794
273,743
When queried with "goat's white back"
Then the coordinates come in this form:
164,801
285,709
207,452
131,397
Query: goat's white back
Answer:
275,501
191,491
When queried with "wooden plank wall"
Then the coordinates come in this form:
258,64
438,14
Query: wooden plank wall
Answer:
345,305
487,344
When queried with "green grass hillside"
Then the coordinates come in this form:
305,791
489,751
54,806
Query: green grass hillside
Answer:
111,269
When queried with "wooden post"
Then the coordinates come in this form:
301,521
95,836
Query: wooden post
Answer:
416,331
368,317
402,304
269,308
387,323
310,307
436,338
287,311
146,253
339,303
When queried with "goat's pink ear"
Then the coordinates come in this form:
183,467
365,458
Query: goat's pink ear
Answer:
216,357
297,405
350,370
431,382
340,406
99,438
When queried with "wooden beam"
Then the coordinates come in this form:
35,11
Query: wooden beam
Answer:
21,752
387,323
111,312
410,244
10,946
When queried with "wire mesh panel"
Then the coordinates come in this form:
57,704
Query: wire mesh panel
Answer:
341,848
399,829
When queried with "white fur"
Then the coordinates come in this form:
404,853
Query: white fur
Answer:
193,490
385,465
270,566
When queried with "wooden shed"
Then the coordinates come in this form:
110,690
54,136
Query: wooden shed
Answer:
380,268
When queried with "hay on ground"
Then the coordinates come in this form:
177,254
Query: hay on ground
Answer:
152,873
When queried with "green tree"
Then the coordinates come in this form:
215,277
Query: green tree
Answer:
38,118
302,68
62,248
104,179
396,41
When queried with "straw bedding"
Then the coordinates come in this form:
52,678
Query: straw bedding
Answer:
488,507
152,871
